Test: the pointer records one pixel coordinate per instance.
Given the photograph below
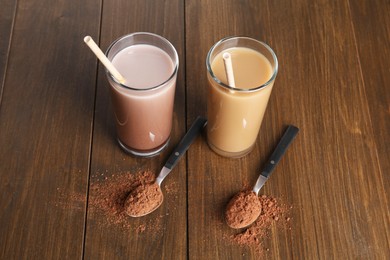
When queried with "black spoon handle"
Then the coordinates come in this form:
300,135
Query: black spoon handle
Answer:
280,149
185,143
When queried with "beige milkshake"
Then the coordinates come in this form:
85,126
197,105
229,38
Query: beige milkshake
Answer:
235,114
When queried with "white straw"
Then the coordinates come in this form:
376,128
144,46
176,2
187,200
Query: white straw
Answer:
100,55
227,61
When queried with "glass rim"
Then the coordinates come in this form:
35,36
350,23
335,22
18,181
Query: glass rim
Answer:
210,71
176,64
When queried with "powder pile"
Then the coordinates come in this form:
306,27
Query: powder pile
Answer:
243,209
143,200
108,197
273,212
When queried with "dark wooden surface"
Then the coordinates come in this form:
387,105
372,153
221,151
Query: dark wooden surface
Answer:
57,135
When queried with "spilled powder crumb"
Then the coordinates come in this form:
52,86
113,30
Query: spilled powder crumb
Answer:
141,228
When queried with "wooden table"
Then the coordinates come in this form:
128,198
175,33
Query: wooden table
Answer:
57,132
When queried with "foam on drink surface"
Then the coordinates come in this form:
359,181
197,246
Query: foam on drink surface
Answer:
251,68
143,66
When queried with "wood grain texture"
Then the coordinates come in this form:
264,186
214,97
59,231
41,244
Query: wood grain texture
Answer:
373,38
320,89
57,135
168,238
7,14
45,126
343,195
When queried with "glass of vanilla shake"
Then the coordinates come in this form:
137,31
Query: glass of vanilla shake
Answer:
235,113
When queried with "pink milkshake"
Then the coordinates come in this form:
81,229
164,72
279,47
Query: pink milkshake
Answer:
143,105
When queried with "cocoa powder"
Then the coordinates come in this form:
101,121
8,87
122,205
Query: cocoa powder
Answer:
274,213
108,195
243,209
143,200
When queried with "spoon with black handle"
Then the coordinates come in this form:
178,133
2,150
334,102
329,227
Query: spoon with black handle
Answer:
244,208
146,198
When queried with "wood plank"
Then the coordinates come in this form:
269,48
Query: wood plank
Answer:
45,123
216,179
7,15
165,229
338,212
373,40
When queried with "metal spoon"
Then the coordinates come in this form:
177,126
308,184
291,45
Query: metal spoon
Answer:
244,208
137,198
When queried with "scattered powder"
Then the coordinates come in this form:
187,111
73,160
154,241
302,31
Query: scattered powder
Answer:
141,228
171,187
143,200
274,212
243,209
108,197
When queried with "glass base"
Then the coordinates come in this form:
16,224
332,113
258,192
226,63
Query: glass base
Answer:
230,154
144,153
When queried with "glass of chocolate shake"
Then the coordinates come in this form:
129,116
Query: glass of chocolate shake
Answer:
143,103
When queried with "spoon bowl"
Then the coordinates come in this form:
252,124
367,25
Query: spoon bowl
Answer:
144,200
243,208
